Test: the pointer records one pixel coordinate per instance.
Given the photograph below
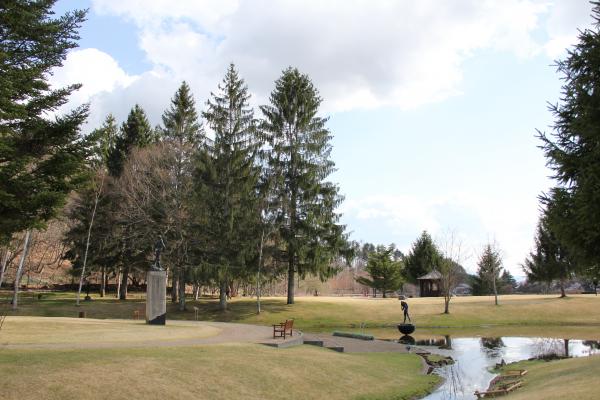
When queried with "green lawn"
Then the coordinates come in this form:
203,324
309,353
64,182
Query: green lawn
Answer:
575,316
232,371
573,379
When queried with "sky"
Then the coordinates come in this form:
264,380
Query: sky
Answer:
434,105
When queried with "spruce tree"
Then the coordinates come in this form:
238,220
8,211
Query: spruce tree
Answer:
489,267
550,259
572,150
135,132
41,157
423,257
385,271
227,182
183,134
300,159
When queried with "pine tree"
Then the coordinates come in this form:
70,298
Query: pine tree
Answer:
489,268
41,158
135,132
550,260
385,271
227,181
300,159
572,150
183,133
423,257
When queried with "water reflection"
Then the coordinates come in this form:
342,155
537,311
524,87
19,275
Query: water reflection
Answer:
474,357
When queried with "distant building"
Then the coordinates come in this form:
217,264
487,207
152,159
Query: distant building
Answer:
429,284
463,290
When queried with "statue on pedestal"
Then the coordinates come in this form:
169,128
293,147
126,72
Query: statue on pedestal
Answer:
159,246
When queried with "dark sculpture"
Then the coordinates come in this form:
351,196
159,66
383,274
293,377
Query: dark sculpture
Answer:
406,329
159,246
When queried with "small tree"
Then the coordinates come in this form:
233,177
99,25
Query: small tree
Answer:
489,267
385,272
451,271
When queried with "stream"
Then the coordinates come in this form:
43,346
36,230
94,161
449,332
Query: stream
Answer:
474,357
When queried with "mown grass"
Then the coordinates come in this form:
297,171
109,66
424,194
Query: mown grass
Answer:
75,331
232,371
526,315
573,379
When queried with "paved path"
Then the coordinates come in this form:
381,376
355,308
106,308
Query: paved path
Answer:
350,345
228,333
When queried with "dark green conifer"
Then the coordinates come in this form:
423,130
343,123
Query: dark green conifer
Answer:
300,160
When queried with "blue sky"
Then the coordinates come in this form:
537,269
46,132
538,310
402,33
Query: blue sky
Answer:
434,105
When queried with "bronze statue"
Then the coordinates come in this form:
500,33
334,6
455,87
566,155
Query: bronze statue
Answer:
159,246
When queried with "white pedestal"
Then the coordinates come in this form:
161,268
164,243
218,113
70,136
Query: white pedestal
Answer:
156,302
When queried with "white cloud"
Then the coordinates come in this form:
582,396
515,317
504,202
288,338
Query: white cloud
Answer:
566,16
361,54
475,218
94,69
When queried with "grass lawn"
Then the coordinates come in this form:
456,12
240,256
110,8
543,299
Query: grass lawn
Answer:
231,371
573,379
35,330
523,315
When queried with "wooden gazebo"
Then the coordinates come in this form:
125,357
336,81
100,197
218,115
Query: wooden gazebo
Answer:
429,284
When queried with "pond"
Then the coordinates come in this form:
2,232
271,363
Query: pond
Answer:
474,357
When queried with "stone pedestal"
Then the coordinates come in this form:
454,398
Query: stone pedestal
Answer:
156,302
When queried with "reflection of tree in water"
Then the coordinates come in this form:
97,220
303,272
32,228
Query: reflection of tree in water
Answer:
592,344
453,388
550,348
492,346
445,343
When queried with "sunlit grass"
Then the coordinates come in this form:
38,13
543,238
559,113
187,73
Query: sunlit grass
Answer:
516,314
210,372
572,379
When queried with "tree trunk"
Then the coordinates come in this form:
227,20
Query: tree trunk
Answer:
495,290
87,245
562,288
118,279
223,295
124,281
260,253
290,289
446,304
196,291
181,289
4,265
103,282
20,269
175,285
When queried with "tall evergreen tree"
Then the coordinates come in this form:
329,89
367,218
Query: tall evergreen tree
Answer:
227,180
300,158
40,157
489,267
572,150
183,133
423,257
135,132
549,260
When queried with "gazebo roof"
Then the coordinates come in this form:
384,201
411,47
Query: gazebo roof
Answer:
431,275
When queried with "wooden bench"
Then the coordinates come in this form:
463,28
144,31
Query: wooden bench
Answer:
282,329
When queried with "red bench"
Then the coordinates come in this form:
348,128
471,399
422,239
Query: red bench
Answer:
282,329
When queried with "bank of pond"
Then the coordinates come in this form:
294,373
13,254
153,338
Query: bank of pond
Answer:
476,361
